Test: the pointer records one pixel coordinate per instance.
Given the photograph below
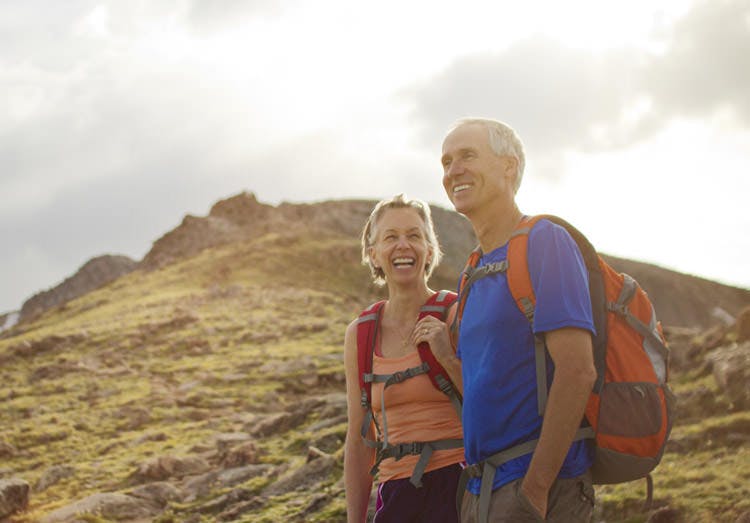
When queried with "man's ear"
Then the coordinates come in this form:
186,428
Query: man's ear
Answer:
511,169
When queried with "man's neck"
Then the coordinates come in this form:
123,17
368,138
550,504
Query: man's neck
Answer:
494,228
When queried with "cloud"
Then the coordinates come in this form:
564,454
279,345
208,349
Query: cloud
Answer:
561,98
705,66
207,17
553,96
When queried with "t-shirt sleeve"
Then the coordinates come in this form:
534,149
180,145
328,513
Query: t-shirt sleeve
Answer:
560,280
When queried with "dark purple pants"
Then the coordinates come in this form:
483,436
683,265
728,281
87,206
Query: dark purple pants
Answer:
435,502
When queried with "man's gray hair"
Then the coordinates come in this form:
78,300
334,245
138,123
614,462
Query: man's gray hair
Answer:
400,201
503,139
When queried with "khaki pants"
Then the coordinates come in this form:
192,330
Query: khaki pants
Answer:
570,500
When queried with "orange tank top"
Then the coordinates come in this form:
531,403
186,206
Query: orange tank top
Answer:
415,411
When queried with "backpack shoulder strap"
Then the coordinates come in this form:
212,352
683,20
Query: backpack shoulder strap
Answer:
521,288
438,306
519,279
463,290
367,330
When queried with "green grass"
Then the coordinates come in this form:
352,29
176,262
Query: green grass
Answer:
157,363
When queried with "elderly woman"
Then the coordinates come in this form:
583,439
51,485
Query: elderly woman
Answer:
401,426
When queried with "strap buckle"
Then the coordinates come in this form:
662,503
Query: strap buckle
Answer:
475,470
618,308
401,375
407,449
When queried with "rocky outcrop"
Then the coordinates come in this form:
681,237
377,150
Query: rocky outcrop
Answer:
53,475
110,505
213,481
242,217
14,496
94,274
236,218
743,325
731,370
681,299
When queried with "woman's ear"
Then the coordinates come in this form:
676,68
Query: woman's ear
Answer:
371,254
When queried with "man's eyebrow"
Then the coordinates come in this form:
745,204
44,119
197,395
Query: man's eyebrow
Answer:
462,150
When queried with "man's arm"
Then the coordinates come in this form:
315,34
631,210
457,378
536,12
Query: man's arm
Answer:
575,374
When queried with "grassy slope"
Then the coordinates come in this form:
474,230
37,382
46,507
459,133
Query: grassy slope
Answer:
159,363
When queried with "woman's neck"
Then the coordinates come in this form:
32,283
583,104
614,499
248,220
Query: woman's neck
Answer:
405,302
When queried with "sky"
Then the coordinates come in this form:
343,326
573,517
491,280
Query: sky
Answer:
119,118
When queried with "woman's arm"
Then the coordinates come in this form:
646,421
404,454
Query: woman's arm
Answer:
358,458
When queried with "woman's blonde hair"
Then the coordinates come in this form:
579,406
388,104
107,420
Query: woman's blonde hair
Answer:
399,201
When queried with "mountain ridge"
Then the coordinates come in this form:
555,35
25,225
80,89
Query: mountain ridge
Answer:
680,299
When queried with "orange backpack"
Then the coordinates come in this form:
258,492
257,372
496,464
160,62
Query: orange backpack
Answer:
631,407
368,325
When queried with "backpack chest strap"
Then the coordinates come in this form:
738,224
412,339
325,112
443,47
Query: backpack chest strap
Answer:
398,376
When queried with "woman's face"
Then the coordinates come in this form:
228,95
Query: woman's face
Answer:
400,247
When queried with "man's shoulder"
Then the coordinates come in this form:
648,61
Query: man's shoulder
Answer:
546,228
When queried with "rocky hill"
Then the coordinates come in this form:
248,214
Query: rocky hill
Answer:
92,275
680,300
207,384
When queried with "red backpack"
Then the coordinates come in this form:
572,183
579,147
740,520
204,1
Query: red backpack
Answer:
631,408
368,326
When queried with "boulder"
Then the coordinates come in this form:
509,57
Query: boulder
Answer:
743,325
52,475
110,506
165,467
14,496
228,440
159,492
306,477
277,423
731,369
245,454
221,503
7,450
237,475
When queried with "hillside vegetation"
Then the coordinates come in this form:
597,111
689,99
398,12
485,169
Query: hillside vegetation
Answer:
211,388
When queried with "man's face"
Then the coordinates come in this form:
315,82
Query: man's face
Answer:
473,174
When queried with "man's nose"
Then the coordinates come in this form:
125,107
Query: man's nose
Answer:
454,169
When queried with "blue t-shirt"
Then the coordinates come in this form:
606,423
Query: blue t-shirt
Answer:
496,348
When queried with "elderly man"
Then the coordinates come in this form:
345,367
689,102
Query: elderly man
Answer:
539,470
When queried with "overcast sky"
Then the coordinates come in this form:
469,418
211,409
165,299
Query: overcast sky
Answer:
117,118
